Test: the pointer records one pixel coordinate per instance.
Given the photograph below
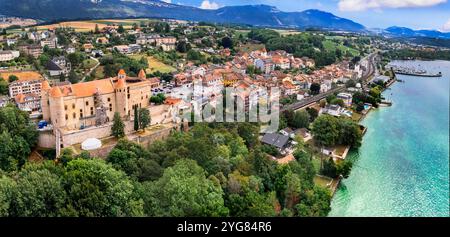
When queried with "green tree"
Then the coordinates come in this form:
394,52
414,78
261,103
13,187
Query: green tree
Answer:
325,130
313,114
73,77
184,191
144,118
13,78
350,133
118,128
227,42
7,189
96,31
315,88
344,168
3,87
75,58
120,30
314,203
39,193
18,135
300,119
96,189
136,119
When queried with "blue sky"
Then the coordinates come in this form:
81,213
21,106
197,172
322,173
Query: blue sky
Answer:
416,14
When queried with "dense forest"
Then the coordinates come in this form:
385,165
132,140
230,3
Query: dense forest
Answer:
212,170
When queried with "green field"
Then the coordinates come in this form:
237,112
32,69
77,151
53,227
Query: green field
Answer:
332,46
154,65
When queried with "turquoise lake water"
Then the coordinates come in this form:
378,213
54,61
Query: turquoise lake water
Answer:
402,168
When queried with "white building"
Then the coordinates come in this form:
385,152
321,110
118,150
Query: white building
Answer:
8,55
346,97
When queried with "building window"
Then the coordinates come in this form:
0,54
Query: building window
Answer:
109,99
87,103
73,106
67,117
81,115
74,115
65,107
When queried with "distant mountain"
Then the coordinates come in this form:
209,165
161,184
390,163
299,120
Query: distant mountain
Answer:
404,32
258,15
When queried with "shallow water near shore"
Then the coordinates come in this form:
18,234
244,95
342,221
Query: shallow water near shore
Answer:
402,168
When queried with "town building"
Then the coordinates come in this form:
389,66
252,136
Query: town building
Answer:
51,42
8,55
28,102
29,82
33,50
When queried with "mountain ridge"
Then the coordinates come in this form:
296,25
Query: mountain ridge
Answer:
406,32
257,15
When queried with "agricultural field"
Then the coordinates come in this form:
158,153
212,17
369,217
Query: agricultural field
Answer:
247,48
85,26
154,64
288,32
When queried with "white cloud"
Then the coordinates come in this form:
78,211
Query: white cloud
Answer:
168,1
446,26
206,4
361,5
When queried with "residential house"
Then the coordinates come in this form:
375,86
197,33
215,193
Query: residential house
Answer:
58,66
334,110
277,140
88,48
102,40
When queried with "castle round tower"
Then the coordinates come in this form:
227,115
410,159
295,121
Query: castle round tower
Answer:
122,94
57,112
45,103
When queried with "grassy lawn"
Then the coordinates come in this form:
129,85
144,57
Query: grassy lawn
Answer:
89,63
247,48
332,46
99,74
316,164
154,65
340,150
322,181
241,32
356,116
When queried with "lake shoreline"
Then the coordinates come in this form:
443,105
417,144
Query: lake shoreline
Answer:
342,188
